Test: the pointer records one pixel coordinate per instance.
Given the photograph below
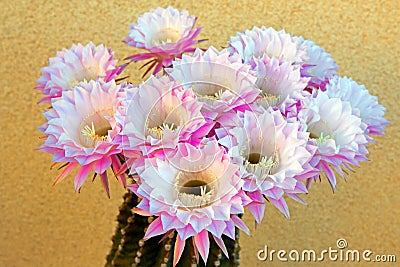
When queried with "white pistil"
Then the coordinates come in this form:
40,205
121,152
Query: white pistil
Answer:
323,138
264,166
158,131
320,132
194,193
192,201
216,96
209,99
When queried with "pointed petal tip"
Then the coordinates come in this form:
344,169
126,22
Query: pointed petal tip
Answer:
104,181
68,169
202,243
141,212
154,229
240,224
178,249
222,246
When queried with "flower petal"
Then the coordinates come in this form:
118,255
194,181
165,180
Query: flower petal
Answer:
104,181
81,176
202,243
154,229
178,249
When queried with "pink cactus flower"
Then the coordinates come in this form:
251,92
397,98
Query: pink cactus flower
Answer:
364,105
337,133
320,66
159,114
274,155
166,33
281,83
222,82
74,65
195,191
255,43
81,130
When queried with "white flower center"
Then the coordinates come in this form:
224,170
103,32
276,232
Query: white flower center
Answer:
261,165
320,131
209,92
269,100
87,74
165,117
195,189
211,97
322,138
166,35
158,131
270,95
95,127
75,82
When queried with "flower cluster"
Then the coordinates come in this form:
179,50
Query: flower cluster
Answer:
219,131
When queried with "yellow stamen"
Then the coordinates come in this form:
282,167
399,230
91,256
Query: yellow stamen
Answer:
90,133
158,131
75,83
269,100
94,127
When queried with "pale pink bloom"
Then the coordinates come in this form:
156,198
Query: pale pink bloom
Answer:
219,80
320,66
274,154
336,132
255,43
159,114
195,191
74,65
81,130
281,83
364,105
166,33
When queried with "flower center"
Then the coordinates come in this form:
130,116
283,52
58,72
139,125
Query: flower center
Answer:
320,132
165,117
158,131
261,165
209,92
94,128
321,139
271,92
166,35
213,96
254,158
269,100
194,189
75,82
87,74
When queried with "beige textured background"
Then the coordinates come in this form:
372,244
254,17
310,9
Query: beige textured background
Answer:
42,225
